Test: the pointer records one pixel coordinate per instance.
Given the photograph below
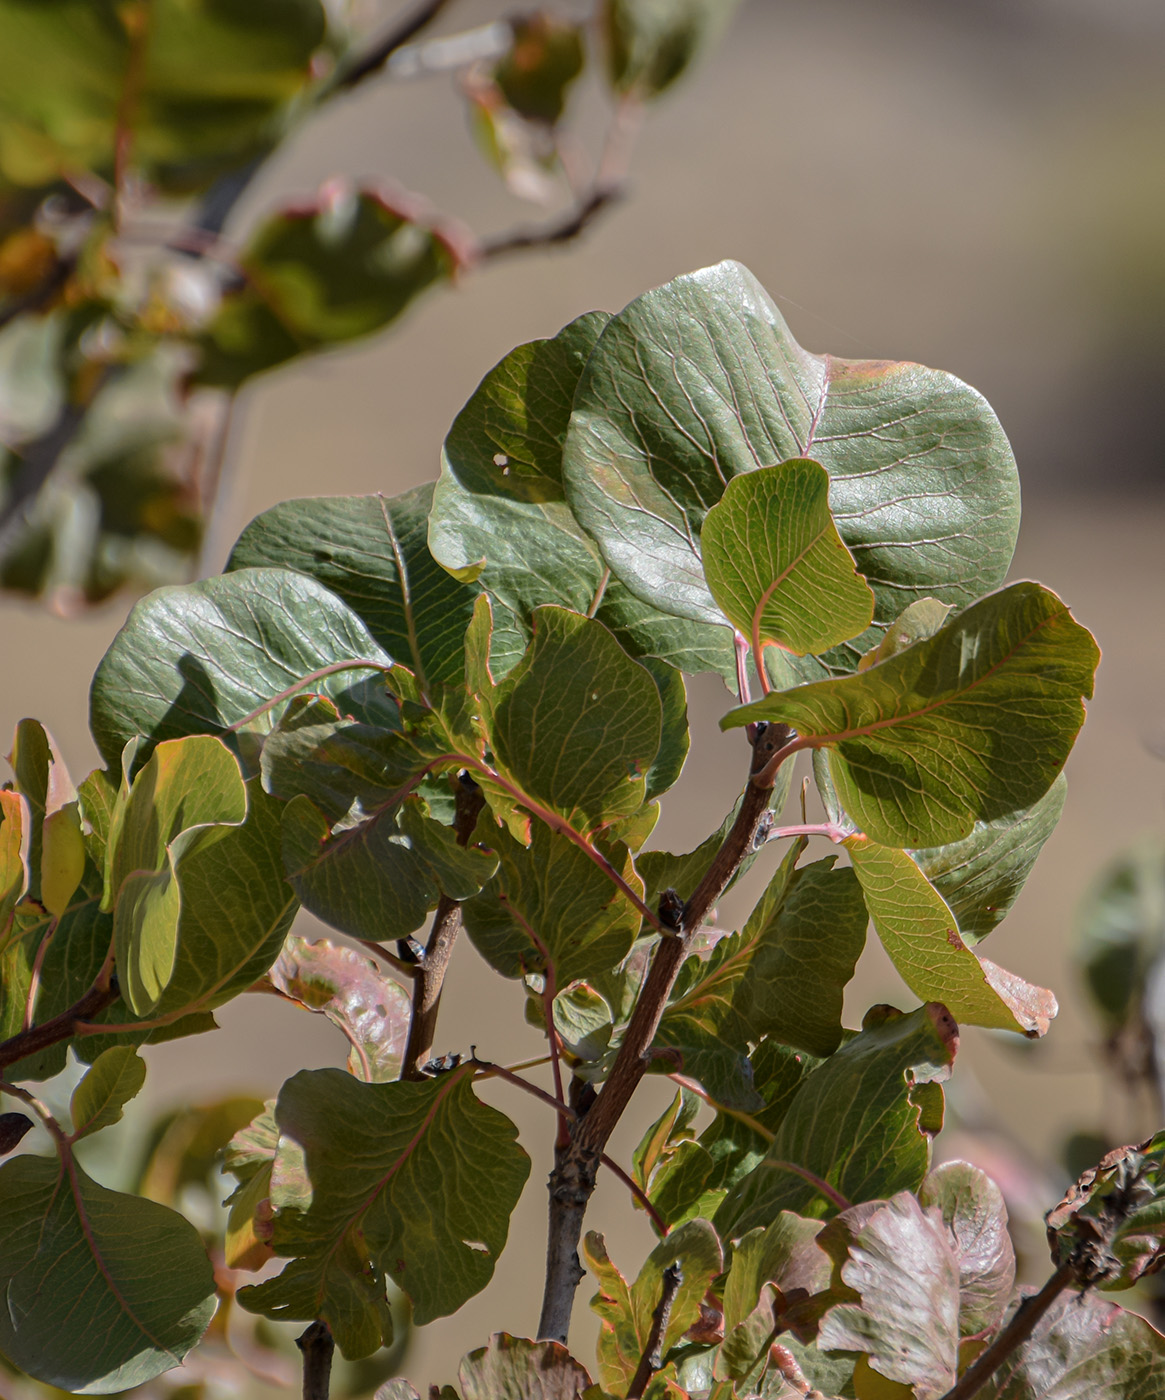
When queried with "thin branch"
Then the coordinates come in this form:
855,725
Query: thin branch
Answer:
652,1358
334,669
600,590
638,1192
753,1124
551,235
37,969
429,975
136,22
831,830
1017,1331
395,38
56,1132
318,1349
740,647
104,992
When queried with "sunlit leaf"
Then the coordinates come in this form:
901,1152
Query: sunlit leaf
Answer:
972,724
512,1368
974,1212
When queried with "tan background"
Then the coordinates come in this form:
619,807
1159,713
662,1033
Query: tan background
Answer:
976,186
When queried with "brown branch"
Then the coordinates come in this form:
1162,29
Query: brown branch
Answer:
104,992
1017,1331
551,235
395,38
573,1179
652,1358
430,972
318,1349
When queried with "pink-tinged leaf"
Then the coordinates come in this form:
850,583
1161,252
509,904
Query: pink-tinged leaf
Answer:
514,1368
973,1210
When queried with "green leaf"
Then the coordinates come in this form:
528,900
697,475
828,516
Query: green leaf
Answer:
785,1254
512,1368
412,1181
974,1212
115,1077
15,836
1120,932
627,1310
372,552
901,1265
700,381
857,1122
674,736
920,934
776,565
549,907
981,876
920,620
500,513
1085,1348
651,43
378,878
322,273
576,724
196,658
972,724
673,1170
783,976
184,798
249,1157
43,781
350,990
536,73
210,84
102,1291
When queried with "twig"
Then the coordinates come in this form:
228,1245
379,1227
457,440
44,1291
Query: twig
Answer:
564,230
1017,1331
572,1181
652,1358
104,992
638,1192
430,972
395,38
318,1349
334,669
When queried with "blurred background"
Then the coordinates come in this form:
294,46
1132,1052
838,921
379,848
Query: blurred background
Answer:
976,186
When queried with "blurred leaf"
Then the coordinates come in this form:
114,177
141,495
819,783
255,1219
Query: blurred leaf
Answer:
700,381
879,1141
549,907
103,1291
209,84
920,934
500,514
970,725
32,382
981,876
1121,932
115,1077
350,990
544,60
249,1157
373,553
186,1147
902,1267
776,565
512,1368
626,1311
322,273
394,1191
378,878
651,43
197,658
1085,1348
182,800
974,1212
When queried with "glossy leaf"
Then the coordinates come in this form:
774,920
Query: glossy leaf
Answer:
906,1317
576,724
700,381
776,565
102,1291
500,513
626,1310
210,83
920,934
184,798
1085,1348
879,1141
650,43
115,1077
349,989
379,878
980,877
970,725
322,273
372,552
197,658
512,1368
975,1214
550,906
